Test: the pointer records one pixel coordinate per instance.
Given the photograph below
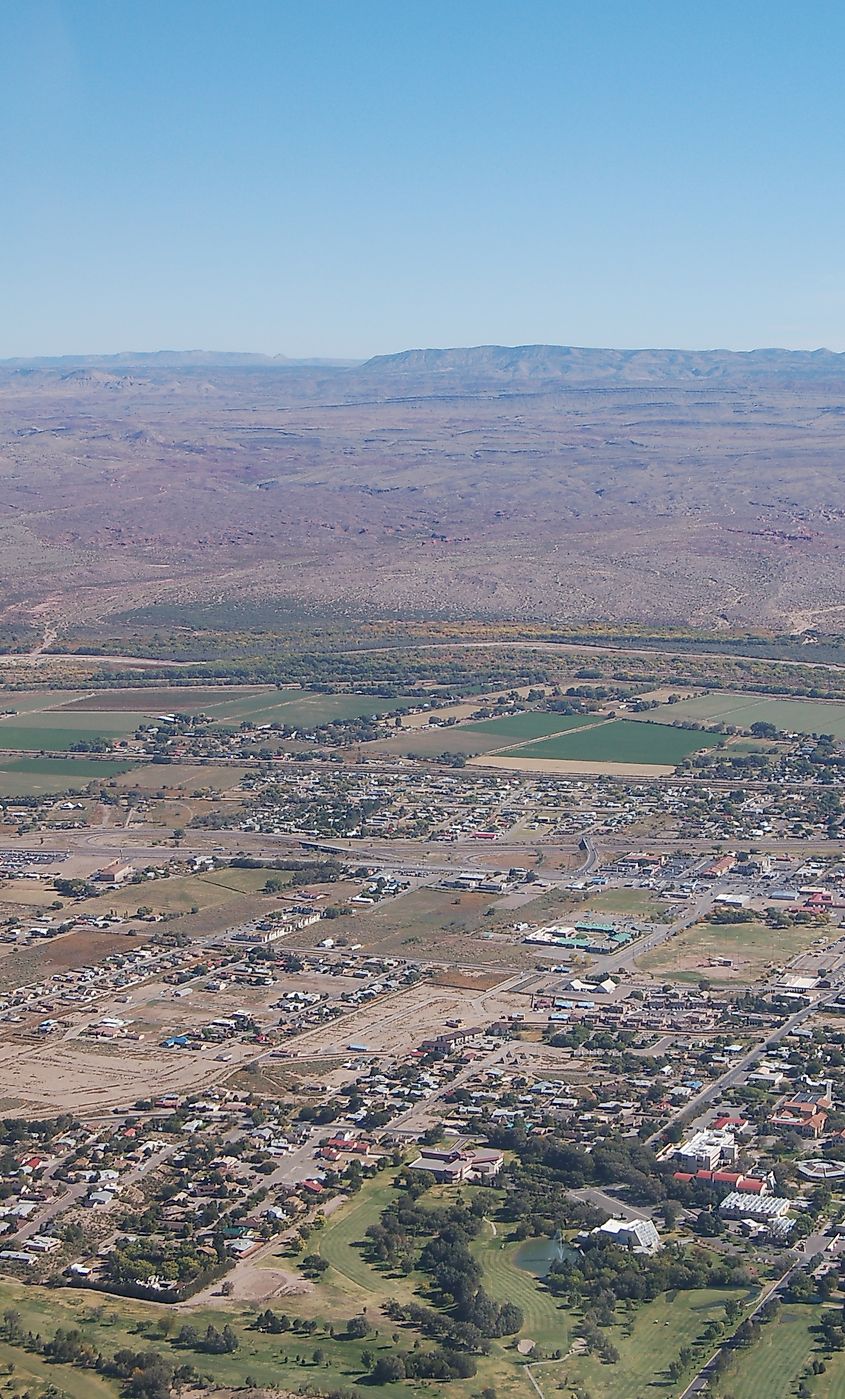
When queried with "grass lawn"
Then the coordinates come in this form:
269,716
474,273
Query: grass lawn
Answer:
774,1364
350,1283
830,1385
546,1321
619,741
533,725
31,1371
660,1329
349,1272
110,1323
242,881
750,946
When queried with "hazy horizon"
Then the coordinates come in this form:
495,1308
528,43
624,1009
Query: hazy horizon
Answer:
327,357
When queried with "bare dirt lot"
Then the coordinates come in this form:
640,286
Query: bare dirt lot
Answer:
86,948
47,1075
441,925
571,769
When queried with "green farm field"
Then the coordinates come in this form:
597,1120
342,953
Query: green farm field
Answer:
46,722
529,725
618,741
743,710
177,699
38,737
20,777
428,743
301,708
117,712
29,701
81,724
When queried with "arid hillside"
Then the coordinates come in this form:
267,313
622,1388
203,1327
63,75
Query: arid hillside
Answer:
542,483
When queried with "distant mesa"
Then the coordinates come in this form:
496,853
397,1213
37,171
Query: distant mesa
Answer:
539,366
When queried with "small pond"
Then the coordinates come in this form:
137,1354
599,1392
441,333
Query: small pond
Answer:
537,1255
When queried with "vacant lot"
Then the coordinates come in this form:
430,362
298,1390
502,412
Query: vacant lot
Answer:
439,923
750,947
619,741
634,903
39,960
183,777
182,894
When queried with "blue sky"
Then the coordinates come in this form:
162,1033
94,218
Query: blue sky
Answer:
350,177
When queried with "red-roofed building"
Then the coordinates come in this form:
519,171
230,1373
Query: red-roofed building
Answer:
355,1144
806,1124
750,1185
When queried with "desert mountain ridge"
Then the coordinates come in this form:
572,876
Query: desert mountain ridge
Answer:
531,482
541,365
476,367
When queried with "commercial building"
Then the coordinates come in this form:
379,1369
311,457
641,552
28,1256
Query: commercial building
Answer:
452,1166
707,1149
737,1205
639,1235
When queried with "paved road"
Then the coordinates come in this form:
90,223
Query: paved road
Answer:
737,1071
620,961
76,1192
590,1195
